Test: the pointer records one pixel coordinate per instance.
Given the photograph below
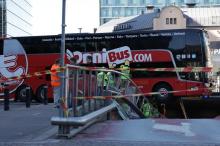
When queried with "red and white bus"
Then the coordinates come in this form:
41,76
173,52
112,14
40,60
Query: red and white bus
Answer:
144,49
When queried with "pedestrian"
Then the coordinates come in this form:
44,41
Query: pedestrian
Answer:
73,61
89,62
56,82
146,109
125,70
110,80
101,82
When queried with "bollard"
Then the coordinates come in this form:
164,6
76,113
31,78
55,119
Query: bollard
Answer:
28,97
6,100
45,95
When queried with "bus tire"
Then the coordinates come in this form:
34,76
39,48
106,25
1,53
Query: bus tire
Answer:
20,93
40,94
163,90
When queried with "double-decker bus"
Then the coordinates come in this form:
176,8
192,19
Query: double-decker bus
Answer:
144,49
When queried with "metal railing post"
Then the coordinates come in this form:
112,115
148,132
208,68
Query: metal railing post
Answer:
6,99
28,97
84,92
90,90
45,95
75,93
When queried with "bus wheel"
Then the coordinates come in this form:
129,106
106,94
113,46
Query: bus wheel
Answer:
163,92
21,93
40,94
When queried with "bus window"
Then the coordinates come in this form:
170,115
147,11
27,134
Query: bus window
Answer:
101,45
194,49
177,42
152,42
75,46
37,45
90,46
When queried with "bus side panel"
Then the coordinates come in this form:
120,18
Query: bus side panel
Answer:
39,64
147,85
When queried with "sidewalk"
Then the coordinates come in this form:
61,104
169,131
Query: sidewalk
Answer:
26,124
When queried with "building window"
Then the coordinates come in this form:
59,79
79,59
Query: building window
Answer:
121,2
174,20
128,12
105,12
116,12
171,21
130,2
104,2
142,2
167,20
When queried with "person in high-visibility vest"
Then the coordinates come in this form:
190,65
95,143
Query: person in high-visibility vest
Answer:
101,82
125,70
56,82
110,79
146,109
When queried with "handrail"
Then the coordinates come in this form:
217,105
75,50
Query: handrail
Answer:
80,121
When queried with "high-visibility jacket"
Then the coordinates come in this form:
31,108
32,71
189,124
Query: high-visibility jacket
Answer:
126,72
55,79
110,79
146,109
101,79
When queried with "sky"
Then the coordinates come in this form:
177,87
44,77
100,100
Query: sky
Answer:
47,16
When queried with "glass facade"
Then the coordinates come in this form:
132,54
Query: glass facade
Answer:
16,18
111,9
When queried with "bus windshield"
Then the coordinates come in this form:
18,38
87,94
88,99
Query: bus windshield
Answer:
195,54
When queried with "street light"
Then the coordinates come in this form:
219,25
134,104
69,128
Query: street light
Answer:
62,54
80,30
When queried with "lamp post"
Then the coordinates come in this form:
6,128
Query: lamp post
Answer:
80,30
62,54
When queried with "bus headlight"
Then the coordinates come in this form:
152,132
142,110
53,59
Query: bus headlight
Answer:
207,85
194,88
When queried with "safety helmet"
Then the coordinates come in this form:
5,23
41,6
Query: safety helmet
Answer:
127,63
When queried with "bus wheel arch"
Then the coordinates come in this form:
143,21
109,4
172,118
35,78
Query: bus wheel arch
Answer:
20,93
40,93
164,89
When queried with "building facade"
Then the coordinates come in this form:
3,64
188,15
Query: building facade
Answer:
16,18
112,9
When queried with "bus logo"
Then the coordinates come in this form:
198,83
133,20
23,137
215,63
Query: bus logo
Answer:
13,63
119,55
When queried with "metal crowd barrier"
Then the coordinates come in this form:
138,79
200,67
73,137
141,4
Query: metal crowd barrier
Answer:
87,101
216,81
